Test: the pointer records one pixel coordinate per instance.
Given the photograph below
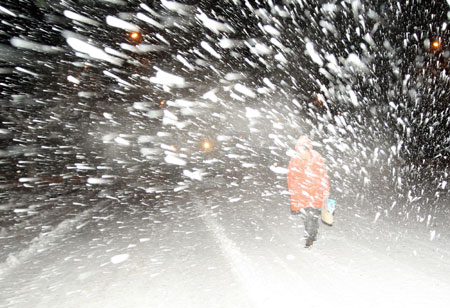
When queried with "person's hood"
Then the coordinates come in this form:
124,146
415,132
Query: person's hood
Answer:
303,141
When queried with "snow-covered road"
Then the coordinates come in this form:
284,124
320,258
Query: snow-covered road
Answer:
235,247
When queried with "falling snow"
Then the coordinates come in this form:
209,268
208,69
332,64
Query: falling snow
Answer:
145,148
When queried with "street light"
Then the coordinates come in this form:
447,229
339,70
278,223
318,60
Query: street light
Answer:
206,146
435,44
135,36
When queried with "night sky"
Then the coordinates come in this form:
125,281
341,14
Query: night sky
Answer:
377,85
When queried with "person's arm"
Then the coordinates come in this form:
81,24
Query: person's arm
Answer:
294,174
291,175
324,182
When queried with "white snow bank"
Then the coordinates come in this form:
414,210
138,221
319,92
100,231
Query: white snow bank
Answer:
45,240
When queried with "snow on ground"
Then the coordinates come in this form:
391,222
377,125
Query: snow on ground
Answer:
233,247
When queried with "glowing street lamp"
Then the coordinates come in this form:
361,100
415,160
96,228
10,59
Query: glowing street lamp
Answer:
135,36
206,145
435,44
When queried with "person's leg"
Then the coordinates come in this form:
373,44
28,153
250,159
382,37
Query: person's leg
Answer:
311,220
315,214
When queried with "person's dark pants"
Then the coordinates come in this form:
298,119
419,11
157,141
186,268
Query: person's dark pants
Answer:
311,220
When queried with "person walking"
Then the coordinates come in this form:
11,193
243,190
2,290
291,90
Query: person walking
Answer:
308,186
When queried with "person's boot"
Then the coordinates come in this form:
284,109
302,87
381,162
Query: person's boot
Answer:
309,242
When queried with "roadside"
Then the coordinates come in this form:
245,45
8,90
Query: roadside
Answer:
234,247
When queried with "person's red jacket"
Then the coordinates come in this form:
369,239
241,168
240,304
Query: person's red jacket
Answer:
307,177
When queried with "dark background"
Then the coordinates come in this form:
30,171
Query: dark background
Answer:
402,115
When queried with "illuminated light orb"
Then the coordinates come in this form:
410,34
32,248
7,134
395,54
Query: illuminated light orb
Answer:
135,35
435,44
206,145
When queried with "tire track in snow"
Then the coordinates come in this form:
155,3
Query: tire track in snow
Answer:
317,271
44,240
338,273
264,288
